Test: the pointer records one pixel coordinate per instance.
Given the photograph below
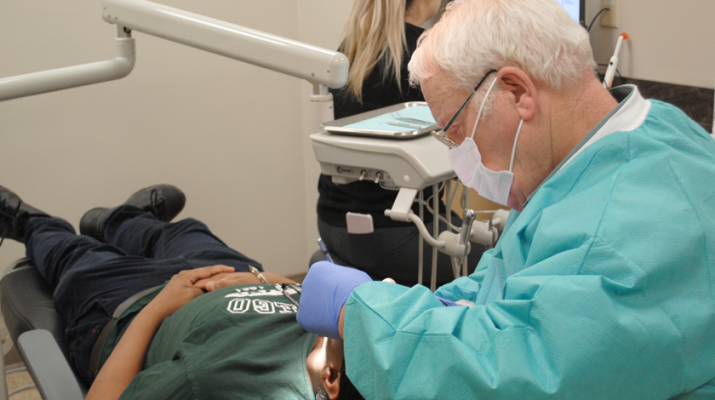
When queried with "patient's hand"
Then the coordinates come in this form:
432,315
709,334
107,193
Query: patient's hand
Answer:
182,288
223,280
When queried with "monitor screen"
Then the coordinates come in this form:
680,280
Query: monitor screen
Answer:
575,8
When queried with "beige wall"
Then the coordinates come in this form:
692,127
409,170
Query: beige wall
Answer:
226,132
223,131
670,41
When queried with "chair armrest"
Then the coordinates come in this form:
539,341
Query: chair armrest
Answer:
48,367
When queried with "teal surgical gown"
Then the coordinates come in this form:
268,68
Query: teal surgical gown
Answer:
601,288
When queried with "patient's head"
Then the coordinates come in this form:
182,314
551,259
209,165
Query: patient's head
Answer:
326,370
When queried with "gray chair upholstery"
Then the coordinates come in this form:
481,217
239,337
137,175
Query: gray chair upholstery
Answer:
38,331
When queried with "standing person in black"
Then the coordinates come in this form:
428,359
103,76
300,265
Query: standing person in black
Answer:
380,37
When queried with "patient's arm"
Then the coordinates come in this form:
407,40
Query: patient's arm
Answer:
127,358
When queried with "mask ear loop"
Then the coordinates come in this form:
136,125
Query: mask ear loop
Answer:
516,140
481,108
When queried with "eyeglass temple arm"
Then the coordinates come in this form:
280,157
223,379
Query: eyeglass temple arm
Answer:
451,121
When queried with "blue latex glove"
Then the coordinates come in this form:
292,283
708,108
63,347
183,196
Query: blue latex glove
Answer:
326,288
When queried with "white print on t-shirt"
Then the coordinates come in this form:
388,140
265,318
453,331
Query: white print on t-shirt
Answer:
240,306
252,291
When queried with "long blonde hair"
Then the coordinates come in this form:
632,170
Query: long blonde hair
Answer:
375,29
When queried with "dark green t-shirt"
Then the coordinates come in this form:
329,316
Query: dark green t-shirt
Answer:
241,342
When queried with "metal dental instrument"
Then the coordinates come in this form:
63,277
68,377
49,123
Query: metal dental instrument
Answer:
404,125
413,120
324,250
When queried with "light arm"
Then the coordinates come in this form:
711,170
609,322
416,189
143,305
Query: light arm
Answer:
80,75
268,51
301,60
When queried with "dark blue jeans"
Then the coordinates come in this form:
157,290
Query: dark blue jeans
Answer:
90,278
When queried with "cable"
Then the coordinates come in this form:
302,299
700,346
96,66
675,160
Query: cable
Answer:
594,18
428,207
20,389
10,371
601,76
439,189
428,201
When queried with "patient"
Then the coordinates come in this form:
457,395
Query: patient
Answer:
214,330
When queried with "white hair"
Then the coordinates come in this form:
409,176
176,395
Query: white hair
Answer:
475,36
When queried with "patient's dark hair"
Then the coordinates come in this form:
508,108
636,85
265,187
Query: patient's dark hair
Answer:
348,391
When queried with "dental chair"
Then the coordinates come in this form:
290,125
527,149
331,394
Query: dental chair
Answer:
38,333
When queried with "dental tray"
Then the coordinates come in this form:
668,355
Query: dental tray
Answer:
399,121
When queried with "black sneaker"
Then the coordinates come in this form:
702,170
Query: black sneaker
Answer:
164,202
14,215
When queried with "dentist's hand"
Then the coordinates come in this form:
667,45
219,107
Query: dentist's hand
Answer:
326,288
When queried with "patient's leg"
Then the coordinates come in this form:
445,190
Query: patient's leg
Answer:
88,269
55,248
141,234
90,279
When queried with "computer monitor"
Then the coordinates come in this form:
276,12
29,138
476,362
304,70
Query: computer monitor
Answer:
575,8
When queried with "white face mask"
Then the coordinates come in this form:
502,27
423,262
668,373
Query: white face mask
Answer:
467,163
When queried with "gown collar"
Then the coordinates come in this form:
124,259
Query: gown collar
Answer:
629,114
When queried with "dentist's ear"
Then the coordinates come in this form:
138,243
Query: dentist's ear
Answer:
522,91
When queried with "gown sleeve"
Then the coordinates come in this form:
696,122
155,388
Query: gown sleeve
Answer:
467,287
553,336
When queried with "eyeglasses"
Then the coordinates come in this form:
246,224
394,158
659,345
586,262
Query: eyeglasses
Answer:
441,134
295,289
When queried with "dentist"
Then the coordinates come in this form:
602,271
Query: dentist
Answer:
601,284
